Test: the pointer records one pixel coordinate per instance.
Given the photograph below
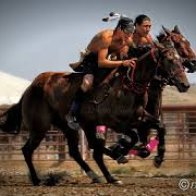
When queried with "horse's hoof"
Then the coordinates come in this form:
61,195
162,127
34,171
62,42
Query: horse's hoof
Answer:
122,160
143,153
157,161
118,182
115,181
96,180
36,182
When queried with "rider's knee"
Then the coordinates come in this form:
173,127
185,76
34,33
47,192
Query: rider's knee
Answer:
87,83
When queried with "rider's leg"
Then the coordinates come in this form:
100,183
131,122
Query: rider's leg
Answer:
86,85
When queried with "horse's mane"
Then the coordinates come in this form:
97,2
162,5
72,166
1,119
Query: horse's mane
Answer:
160,36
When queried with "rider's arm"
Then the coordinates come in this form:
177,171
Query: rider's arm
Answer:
100,44
103,62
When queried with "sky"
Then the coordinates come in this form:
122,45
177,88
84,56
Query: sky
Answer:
46,35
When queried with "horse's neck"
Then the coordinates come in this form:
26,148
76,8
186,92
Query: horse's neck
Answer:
109,90
145,69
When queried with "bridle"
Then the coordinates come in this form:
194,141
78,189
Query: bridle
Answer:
137,87
188,61
140,88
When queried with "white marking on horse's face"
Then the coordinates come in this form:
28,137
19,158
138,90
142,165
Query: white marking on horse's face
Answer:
177,56
184,39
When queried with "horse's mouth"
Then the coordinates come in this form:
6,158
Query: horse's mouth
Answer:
190,65
182,88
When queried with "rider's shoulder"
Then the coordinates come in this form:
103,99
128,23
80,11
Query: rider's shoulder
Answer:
106,34
105,37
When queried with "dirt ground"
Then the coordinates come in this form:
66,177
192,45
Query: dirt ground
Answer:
139,178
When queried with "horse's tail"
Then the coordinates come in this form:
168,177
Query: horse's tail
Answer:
10,120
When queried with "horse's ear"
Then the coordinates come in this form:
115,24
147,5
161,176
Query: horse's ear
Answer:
176,29
166,30
161,36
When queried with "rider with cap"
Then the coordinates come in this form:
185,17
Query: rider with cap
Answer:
102,44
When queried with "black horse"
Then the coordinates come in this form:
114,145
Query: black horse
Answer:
155,89
157,85
117,104
124,104
188,56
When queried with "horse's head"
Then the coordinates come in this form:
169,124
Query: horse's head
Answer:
170,66
163,62
182,45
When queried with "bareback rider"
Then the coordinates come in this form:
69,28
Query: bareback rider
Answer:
141,35
102,44
143,41
142,38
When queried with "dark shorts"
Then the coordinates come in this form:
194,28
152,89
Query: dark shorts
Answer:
89,65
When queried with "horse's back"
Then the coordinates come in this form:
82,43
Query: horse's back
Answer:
44,77
50,93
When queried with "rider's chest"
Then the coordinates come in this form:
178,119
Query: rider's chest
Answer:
141,41
117,45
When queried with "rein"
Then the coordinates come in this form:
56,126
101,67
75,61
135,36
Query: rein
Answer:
136,87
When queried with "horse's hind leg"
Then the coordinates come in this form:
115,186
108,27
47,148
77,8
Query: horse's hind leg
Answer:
28,149
73,142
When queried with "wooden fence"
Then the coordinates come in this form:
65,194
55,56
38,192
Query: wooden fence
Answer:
180,124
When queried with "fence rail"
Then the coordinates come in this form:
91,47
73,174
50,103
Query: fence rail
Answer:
180,122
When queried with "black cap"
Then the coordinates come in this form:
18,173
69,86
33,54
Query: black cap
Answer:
126,24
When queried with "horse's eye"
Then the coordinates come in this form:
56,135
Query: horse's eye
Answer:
170,55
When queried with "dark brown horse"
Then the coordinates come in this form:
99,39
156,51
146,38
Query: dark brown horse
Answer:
188,55
127,97
156,87
183,47
118,105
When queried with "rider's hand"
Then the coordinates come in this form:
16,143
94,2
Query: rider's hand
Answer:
129,63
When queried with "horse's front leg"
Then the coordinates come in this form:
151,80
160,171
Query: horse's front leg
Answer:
73,143
161,146
98,157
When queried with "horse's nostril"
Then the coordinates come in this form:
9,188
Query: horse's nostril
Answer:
188,86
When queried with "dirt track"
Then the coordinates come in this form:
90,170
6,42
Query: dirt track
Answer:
132,186
82,186
142,179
